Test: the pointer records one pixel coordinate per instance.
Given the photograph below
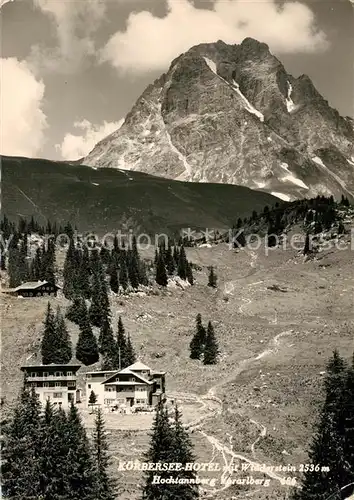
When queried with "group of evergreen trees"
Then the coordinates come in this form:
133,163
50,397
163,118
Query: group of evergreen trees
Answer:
170,261
56,343
170,443
333,442
117,353
47,455
203,344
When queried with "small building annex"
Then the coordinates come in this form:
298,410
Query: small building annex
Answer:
135,385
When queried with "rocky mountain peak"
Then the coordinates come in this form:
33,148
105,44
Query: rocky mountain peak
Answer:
232,114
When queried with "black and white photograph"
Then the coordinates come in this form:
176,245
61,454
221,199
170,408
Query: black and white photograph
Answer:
177,249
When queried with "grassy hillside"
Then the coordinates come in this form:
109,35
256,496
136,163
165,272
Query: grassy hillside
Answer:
111,199
277,318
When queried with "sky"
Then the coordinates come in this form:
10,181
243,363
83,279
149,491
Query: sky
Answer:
72,69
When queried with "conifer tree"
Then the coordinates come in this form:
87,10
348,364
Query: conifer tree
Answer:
212,280
161,275
100,303
81,471
183,454
21,450
113,276
307,248
77,310
123,272
92,398
170,261
130,356
211,350
104,488
106,342
69,272
86,347
160,451
14,267
133,268
328,445
182,264
62,353
190,277
49,339
198,341
121,346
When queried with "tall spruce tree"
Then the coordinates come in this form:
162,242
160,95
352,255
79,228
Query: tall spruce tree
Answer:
211,349
160,451
182,264
81,470
123,272
21,449
99,309
329,442
49,340
69,272
130,356
86,347
183,453
106,342
198,341
212,279
161,275
104,487
121,347
63,352
77,310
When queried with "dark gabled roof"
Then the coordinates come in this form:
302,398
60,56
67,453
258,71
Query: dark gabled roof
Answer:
127,372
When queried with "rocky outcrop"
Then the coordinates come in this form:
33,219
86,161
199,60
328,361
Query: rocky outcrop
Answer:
231,114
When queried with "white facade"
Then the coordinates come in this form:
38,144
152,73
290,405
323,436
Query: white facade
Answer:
133,386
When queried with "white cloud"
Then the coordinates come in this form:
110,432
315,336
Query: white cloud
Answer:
74,147
75,22
22,118
150,43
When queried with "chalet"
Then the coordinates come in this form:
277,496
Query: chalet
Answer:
133,386
56,382
34,289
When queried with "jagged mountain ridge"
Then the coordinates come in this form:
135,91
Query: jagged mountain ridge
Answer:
232,114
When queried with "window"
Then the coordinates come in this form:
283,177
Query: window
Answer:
69,374
45,384
45,374
88,375
109,401
33,374
71,383
109,388
57,384
57,395
89,386
132,379
141,401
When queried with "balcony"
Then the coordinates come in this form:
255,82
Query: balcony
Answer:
51,378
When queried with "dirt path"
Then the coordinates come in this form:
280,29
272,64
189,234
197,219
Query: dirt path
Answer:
214,404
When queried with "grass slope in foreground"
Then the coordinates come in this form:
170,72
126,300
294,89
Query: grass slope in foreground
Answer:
110,199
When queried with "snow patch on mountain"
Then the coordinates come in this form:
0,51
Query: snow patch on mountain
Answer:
351,162
282,196
211,65
290,177
289,102
260,184
248,105
235,86
319,162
